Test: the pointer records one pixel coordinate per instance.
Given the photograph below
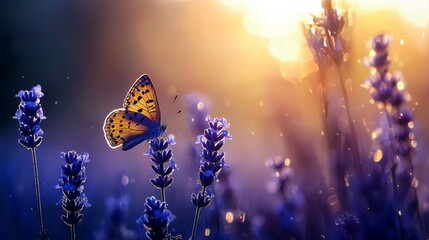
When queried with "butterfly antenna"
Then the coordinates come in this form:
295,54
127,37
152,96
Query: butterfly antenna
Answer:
169,116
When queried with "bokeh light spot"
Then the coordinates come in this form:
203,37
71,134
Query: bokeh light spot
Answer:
229,217
378,155
125,180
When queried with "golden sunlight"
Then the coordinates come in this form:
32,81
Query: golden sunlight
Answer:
413,11
278,21
281,21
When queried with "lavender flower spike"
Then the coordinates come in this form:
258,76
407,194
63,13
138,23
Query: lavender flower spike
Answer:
332,22
212,141
161,154
30,116
387,90
156,219
73,177
212,162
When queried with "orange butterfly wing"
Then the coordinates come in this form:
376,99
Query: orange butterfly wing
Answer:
138,121
121,125
142,98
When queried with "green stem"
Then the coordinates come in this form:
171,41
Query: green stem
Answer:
196,217
39,202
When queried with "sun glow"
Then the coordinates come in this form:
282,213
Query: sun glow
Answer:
280,21
413,11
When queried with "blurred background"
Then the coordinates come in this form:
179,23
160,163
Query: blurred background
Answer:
249,61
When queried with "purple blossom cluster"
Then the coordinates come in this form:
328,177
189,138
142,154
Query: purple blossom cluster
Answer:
161,154
71,183
213,159
156,219
30,116
212,162
387,89
332,23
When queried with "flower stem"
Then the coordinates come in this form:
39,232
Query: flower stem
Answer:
393,171
36,183
337,58
163,200
325,107
395,192
416,199
162,194
355,148
196,217
73,232
162,189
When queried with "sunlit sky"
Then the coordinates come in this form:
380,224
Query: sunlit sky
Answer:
280,21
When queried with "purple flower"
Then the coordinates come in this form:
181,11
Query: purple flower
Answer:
213,160
156,219
380,59
201,200
402,131
382,84
332,23
160,154
384,88
387,89
316,43
30,116
71,183
381,42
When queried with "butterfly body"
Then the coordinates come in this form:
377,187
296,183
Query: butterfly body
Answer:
138,120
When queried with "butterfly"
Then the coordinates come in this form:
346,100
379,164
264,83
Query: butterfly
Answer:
139,119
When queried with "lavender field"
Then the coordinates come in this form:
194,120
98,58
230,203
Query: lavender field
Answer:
221,119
